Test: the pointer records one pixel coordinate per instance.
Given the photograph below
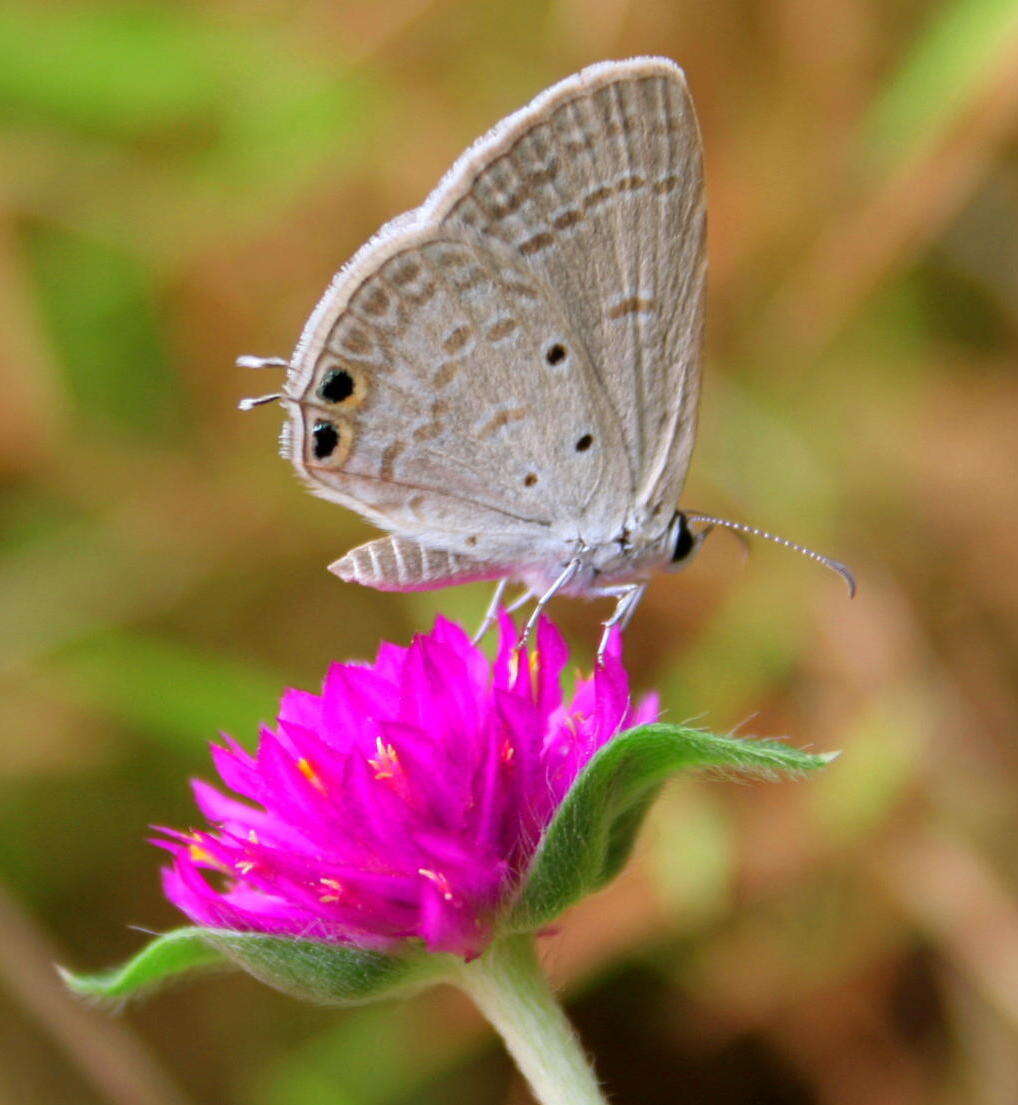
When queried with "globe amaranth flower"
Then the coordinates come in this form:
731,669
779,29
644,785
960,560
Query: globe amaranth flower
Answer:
405,801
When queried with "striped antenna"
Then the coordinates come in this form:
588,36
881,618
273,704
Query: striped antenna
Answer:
753,531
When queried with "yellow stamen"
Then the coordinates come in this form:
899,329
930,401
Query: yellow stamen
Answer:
252,836
334,885
309,773
535,672
386,764
203,855
246,866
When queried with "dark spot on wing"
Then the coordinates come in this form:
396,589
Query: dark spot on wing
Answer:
326,439
336,386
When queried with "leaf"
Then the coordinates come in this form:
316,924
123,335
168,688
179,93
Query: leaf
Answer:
113,70
594,830
124,674
335,974
173,953
100,308
373,1055
943,69
141,124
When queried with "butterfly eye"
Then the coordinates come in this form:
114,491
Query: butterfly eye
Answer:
336,386
684,541
326,438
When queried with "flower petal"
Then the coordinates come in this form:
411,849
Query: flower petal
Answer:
405,800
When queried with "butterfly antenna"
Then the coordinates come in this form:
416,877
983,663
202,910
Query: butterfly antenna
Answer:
754,531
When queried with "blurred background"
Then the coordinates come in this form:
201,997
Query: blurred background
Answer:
179,181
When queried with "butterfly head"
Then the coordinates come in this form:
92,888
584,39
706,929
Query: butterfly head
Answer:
683,541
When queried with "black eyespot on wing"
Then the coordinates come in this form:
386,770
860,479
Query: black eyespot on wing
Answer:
326,439
530,479
556,354
683,540
336,386
584,443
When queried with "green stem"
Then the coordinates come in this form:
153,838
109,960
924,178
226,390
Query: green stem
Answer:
508,986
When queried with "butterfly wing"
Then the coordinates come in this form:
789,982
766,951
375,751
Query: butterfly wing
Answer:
441,391
598,186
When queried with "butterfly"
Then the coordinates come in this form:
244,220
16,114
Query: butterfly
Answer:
506,378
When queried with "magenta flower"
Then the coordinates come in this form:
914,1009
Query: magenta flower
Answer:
405,801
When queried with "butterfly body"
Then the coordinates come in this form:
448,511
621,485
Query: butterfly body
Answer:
632,556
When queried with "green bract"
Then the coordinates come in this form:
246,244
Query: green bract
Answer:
594,830
584,847
337,974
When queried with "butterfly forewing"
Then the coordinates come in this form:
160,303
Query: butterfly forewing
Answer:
598,185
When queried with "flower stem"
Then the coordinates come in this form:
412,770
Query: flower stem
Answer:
508,986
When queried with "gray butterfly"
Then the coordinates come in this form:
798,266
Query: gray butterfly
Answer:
506,378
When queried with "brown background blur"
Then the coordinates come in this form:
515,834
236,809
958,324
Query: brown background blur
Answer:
178,183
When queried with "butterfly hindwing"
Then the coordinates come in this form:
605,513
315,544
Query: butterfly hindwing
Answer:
447,397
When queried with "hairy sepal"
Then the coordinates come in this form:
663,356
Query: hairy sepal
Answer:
593,832
332,974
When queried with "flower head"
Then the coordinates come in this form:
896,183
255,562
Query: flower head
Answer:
405,801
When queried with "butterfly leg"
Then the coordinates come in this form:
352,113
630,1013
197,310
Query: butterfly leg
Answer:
628,599
519,601
490,614
564,578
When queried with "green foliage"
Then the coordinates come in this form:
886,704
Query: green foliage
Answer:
165,688
696,880
118,71
99,307
168,956
593,832
334,974
963,42
372,1055
212,106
